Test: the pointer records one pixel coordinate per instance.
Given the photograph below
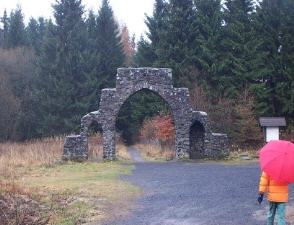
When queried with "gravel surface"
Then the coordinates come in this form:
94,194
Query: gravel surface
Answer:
181,193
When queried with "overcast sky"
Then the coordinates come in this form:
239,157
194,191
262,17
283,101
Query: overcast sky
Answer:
130,12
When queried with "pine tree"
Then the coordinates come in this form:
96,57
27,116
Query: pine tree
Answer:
208,25
174,48
5,22
146,52
237,47
109,46
16,35
32,32
91,26
36,32
170,40
145,55
66,86
273,80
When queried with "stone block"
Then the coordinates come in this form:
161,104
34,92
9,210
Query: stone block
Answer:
75,148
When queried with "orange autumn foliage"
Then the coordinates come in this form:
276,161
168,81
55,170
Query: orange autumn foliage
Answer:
159,128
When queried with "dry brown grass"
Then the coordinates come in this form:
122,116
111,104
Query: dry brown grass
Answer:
156,151
45,152
16,200
26,170
95,147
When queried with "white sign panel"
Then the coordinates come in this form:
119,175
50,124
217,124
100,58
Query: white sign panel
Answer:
272,133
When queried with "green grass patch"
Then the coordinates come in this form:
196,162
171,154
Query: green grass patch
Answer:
75,193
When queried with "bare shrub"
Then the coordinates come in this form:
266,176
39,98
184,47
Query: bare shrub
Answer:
157,137
159,129
247,132
235,117
17,94
288,134
220,110
11,109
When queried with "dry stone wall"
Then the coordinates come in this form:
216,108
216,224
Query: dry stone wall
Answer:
128,82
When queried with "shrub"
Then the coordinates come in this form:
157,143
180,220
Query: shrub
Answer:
235,117
159,129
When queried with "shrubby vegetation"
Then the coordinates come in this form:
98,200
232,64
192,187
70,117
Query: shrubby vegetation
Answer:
235,57
157,137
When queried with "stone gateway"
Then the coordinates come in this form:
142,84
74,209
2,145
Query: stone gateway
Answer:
193,134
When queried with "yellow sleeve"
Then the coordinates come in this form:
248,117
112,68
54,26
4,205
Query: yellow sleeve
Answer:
264,181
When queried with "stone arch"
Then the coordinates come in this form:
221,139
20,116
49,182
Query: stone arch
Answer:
197,134
128,82
146,89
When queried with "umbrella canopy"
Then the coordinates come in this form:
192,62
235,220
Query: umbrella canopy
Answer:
277,160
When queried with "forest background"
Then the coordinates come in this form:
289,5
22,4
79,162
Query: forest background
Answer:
236,57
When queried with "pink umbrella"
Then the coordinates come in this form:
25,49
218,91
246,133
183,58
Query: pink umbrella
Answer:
277,160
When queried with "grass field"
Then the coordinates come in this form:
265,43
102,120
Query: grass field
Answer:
36,187
155,152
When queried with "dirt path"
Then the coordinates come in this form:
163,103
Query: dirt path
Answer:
179,193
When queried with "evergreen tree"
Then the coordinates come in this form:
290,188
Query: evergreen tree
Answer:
36,32
208,24
238,47
43,24
92,27
32,32
16,35
274,81
67,82
146,53
174,48
5,22
109,46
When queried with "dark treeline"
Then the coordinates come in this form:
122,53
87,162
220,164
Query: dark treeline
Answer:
236,58
51,73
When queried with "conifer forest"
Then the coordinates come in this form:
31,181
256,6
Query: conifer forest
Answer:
235,56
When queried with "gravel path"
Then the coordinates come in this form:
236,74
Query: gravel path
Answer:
180,193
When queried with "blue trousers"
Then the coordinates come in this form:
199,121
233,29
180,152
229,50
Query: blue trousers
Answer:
278,207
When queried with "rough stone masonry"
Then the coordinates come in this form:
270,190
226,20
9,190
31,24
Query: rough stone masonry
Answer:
193,134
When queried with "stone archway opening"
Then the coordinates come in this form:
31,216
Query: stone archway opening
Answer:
137,121
95,141
197,134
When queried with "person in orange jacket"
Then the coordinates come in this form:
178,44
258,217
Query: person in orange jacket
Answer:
277,195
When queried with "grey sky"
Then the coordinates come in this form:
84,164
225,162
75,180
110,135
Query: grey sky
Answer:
130,12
